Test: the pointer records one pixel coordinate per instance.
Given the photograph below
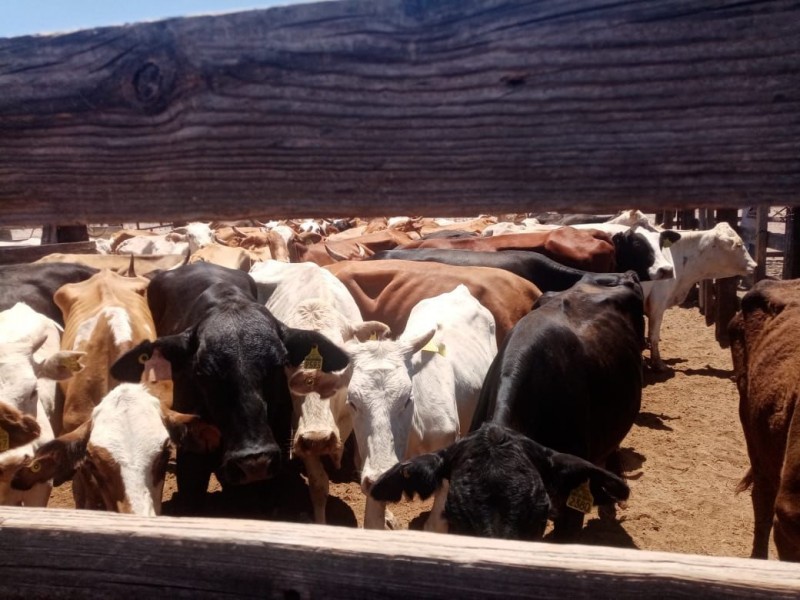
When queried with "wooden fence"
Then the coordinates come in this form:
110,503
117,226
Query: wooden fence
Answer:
368,107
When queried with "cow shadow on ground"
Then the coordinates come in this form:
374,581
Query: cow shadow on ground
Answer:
654,421
285,498
709,371
653,376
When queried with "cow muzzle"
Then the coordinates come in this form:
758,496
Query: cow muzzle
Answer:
259,466
316,443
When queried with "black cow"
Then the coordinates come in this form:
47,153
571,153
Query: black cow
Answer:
35,285
569,376
228,356
543,272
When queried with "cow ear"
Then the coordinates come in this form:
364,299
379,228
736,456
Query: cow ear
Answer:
190,432
421,475
19,427
668,237
175,348
370,330
567,473
300,342
61,365
304,381
58,459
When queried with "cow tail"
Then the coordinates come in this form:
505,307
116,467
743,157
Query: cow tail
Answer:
746,482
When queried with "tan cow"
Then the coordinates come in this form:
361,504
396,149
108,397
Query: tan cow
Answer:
225,256
387,290
766,357
118,263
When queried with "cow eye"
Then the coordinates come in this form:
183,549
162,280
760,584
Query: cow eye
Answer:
351,404
407,402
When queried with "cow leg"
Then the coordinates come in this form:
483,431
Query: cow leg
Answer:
763,496
374,514
654,336
192,472
567,525
436,521
318,487
38,495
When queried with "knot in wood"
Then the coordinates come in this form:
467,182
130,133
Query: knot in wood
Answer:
148,83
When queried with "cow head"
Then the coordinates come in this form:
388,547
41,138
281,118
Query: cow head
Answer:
640,250
319,398
121,452
229,369
381,402
501,483
725,253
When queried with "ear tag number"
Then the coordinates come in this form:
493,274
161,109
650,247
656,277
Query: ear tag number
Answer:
3,440
581,498
435,348
313,360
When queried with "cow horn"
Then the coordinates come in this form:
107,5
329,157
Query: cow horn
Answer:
131,271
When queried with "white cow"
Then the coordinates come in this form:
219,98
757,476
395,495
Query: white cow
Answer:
179,241
697,255
306,296
122,452
417,394
30,362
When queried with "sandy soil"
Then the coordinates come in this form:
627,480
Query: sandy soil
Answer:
683,459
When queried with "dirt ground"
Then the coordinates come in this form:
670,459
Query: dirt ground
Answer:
683,460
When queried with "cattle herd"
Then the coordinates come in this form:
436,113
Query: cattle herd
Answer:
494,365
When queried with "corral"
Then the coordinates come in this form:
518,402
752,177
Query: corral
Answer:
486,105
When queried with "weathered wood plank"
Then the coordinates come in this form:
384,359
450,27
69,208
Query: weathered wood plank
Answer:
791,248
58,553
405,106
11,255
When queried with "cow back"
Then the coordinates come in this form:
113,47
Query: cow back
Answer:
387,290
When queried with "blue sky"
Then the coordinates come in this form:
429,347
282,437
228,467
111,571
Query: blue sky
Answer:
23,17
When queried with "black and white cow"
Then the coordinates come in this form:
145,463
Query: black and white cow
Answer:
229,359
559,397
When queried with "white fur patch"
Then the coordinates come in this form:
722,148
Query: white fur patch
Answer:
118,321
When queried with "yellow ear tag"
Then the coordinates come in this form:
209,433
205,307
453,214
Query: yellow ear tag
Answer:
35,467
143,358
667,243
71,363
373,337
3,440
581,498
437,348
313,360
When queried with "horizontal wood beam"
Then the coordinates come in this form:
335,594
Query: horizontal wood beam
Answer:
55,553
368,107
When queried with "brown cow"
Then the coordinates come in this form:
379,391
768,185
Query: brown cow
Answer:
360,247
766,355
225,256
588,250
387,290
16,428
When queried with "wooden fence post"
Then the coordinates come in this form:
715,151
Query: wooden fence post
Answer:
791,253
762,234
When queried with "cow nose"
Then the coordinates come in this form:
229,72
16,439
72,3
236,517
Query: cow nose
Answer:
251,467
664,273
316,442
